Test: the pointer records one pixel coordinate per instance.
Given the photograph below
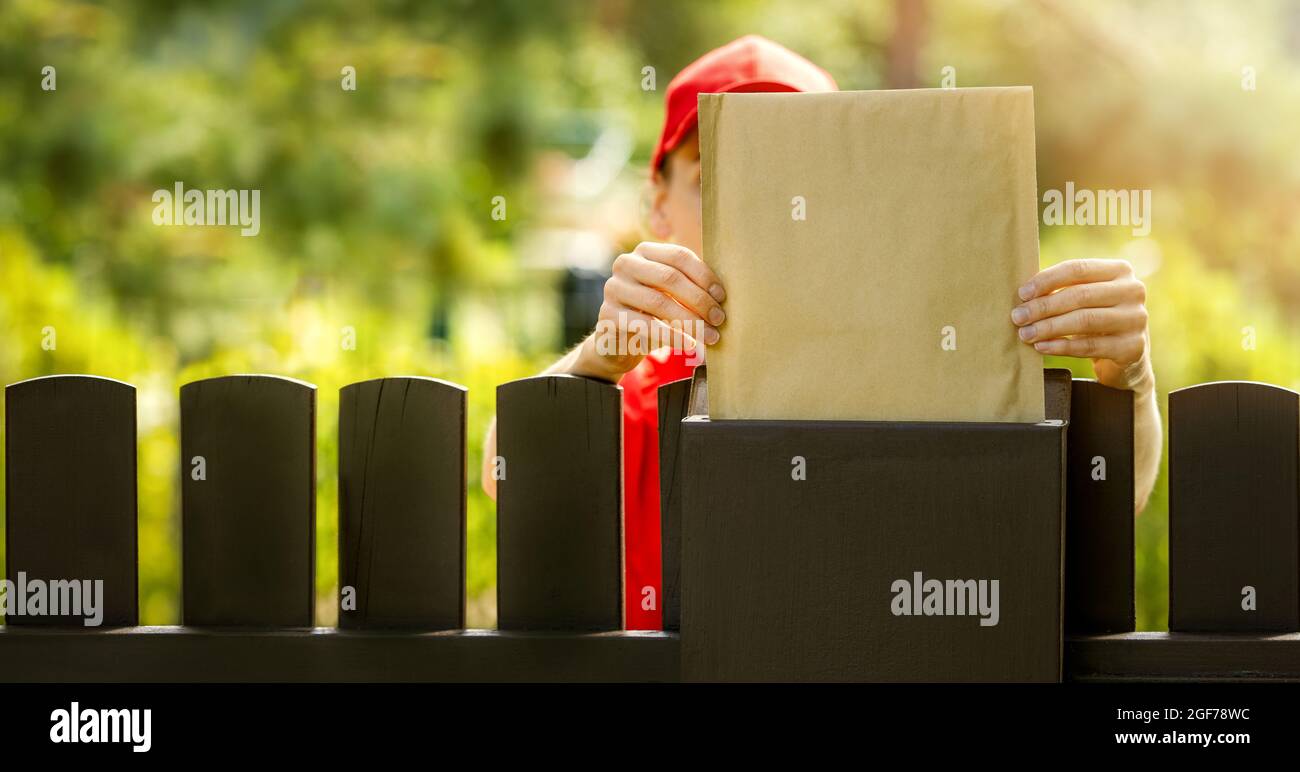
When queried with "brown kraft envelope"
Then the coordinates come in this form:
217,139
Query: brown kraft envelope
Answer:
872,244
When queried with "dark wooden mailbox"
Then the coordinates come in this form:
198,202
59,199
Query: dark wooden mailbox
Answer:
852,551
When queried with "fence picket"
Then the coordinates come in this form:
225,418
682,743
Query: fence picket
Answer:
559,505
402,504
70,490
1234,508
248,501
1099,510
673,403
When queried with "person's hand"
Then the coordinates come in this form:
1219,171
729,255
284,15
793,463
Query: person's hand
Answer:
658,295
1090,308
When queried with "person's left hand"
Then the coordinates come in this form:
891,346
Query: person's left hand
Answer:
1090,308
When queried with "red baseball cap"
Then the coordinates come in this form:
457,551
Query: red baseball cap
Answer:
751,63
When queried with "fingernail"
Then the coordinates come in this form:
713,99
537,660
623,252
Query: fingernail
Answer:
1027,333
719,294
716,316
1027,292
1041,346
1020,315
710,336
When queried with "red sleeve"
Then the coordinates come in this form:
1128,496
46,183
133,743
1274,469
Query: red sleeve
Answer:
642,585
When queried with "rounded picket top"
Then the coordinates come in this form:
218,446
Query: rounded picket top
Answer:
249,381
1237,388
407,382
564,385
559,504
1234,508
70,499
1216,402
402,504
72,380
248,501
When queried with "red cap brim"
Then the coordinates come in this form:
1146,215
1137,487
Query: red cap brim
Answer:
691,118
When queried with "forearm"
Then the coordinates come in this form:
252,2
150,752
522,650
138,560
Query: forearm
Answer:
1140,378
486,479
1147,444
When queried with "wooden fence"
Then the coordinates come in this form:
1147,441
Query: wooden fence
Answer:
767,574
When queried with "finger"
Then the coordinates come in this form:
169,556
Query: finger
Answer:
1120,348
659,305
650,332
1085,321
625,331
684,290
1073,272
1096,295
649,300
687,262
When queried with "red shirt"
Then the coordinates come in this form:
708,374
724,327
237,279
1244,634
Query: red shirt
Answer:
642,555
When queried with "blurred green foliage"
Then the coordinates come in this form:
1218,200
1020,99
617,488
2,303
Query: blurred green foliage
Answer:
375,202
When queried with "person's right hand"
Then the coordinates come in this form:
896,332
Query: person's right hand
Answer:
659,294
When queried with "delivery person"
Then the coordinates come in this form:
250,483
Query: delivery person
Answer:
1098,304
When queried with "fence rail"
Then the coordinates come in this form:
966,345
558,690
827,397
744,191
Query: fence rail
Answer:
768,575
329,655
186,654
